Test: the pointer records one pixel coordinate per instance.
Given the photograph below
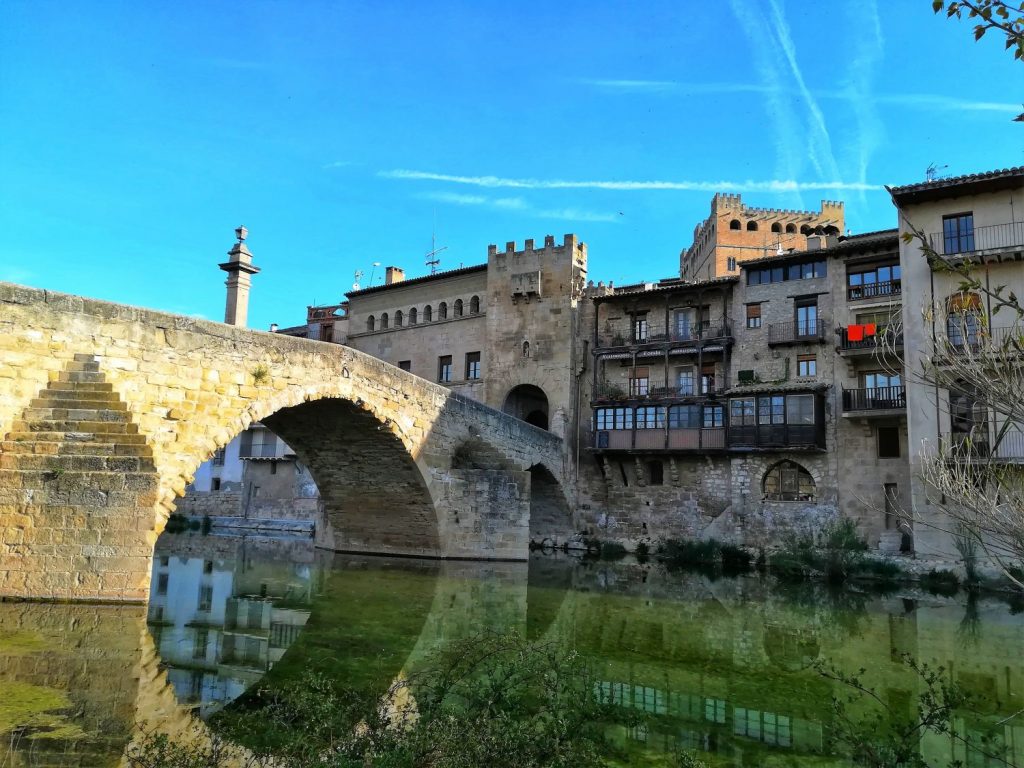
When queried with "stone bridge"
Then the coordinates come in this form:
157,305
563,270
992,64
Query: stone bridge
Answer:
107,410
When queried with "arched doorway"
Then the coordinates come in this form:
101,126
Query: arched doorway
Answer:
529,403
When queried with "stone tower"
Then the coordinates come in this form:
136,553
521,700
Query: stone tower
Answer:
239,266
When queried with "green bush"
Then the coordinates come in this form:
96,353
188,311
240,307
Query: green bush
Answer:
611,550
642,552
838,554
941,582
708,555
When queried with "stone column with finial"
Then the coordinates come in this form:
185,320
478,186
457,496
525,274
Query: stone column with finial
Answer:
238,267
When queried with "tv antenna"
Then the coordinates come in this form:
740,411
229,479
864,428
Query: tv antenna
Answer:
432,260
359,276
372,271
931,173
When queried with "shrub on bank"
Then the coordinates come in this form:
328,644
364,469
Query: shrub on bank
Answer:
707,555
944,583
839,554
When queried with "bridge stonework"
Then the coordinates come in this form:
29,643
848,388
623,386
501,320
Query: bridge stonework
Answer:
107,410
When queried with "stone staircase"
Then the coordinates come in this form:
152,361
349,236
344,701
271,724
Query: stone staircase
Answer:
86,488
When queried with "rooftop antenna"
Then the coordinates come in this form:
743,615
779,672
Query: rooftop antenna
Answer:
931,173
359,276
375,265
432,260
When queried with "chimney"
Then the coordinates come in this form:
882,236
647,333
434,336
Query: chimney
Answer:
814,242
239,266
394,275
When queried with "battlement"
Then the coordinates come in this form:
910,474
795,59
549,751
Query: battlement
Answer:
570,241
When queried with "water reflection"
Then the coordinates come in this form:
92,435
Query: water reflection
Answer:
728,667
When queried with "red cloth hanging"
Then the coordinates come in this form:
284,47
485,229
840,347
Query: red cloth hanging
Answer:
869,329
855,333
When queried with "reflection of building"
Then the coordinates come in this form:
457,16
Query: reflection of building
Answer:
969,221
221,620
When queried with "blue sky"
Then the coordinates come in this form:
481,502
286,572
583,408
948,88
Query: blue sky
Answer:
134,136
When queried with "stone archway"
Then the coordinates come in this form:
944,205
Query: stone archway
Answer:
529,403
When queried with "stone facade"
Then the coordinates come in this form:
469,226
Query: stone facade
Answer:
177,389
734,233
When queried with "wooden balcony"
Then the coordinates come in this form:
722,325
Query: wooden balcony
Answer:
661,439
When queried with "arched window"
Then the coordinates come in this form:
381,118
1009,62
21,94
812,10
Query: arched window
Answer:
384,321
806,230
776,227
370,323
964,319
442,311
787,481
819,230
735,224
412,316
751,226
791,229
428,313
458,307
474,305
831,230
398,319
526,349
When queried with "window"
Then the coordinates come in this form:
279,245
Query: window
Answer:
806,365
161,584
684,417
684,381
743,412
964,319
707,379
806,316
777,729
208,566
788,481
384,321
881,380
771,410
202,640
405,365
639,382
791,229
444,368
802,271
714,416
888,442
730,263
442,311
655,473
458,307
215,484
428,313
412,316
753,315
399,318
735,224
968,417
958,233
614,418
165,561
205,597
640,327
474,305
714,710
751,226
273,467
327,332
876,281
799,409
218,457
650,417
472,365
526,349
776,227
369,323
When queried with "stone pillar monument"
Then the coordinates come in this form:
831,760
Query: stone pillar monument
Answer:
238,267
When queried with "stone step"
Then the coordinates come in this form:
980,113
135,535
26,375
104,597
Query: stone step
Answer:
76,436
75,414
85,357
78,366
79,386
81,377
77,393
61,425
73,448
110,403
70,464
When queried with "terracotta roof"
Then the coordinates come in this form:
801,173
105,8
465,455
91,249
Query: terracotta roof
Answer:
419,280
787,386
674,286
844,243
927,190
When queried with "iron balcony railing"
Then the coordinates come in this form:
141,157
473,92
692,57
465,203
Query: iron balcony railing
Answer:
966,337
269,450
786,333
701,331
1010,446
881,339
874,290
611,392
975,239
875,399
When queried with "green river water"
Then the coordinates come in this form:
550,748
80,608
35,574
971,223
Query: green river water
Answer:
727,667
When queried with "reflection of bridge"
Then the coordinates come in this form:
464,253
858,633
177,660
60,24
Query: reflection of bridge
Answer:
107,411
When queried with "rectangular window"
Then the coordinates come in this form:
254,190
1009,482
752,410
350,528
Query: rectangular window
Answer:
202,640
743,412
444,368
208,566
714,416
650,417
472,366
870,282
958,233
714,710
684,417
753,315
804,271
684,380
806,365
655,475
800,409
205,597
707,379
639,382
881,380
771,410
161,584
218,457
888,442
614,418
640,328
405,365
806,316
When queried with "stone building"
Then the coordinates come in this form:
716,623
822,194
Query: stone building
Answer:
975,221
734,233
